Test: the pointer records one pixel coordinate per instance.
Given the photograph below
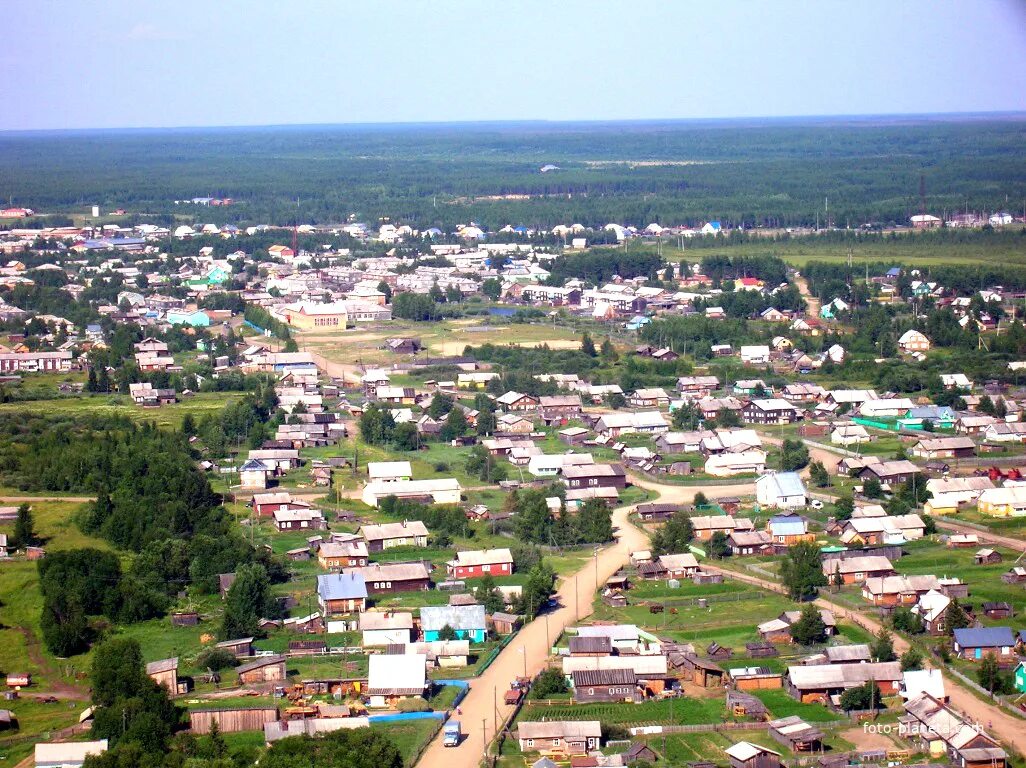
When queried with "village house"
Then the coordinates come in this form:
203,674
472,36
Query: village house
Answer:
899,590
781,490
390,578
913,341
383,628
946,735
705,526
788,530
476,563
466,621
824,683
594,476
341,593
855,570
747,543
974,643
409,533
605,685
744,754
559,409
772,410
1009,501
299,519
434,491
351,553
655,397
890,472
516,401
645,422
944,448
559,738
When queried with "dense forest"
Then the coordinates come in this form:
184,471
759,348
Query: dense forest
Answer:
777,172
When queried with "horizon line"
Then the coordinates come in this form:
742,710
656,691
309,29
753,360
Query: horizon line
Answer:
867,116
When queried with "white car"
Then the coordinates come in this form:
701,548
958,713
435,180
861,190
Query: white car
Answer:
816,504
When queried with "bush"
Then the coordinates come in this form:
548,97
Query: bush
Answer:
550,682
217,659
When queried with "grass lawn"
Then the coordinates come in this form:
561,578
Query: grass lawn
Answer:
168,416
653,712
927,557
411,737
780,704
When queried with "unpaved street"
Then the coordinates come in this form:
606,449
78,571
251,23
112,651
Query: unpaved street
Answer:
529,650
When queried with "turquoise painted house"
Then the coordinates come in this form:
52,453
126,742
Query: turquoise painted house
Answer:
1020,673
467,621
196,318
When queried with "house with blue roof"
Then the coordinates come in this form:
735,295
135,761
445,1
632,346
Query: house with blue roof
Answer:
894,272
788,530
196,318
712,228
974,643
466,621
339,593
781,490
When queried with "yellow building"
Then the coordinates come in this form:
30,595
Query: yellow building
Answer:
309,316
1003,502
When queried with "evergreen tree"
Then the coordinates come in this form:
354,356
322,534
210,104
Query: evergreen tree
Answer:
883,647
454,426
955,617
91,382
718,547
809,629
675,536
608,352
246,603
24,529
911,660
802,572
588,346
819,475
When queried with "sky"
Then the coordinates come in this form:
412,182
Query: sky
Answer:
143,63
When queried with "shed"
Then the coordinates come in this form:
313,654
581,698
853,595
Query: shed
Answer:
268,669
231,719
744,754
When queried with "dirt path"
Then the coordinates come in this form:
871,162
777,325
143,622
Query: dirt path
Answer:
57,688
685,494
530,649
30,499
993,538
813,302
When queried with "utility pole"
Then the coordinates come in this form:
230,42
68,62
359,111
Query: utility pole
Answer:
484,738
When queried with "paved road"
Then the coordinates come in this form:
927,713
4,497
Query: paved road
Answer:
530,649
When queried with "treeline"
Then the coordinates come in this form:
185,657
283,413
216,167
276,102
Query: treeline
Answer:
770,269
534,360
774,173
534,522
600,266
694,335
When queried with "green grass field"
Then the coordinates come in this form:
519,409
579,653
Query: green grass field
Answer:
905,250
168,416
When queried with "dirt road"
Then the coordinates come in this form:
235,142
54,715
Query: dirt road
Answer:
30,499
529,650
1000,723
988,536
813,302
